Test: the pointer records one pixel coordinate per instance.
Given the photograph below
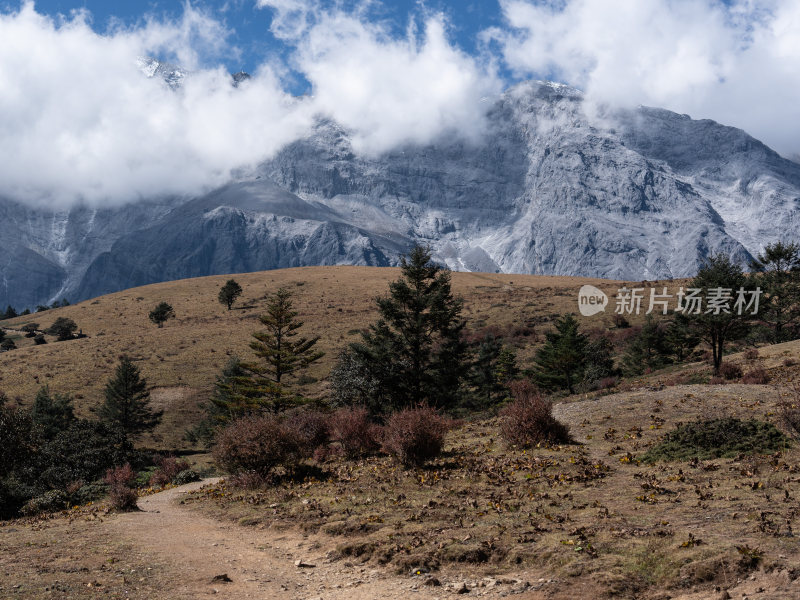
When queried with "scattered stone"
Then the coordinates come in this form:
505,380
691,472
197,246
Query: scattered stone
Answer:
221,579
462,588
301,564
724,595
432,581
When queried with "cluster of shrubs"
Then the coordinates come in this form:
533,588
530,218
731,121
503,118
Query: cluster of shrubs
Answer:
732,372
255,448
529,419
50,459
171,470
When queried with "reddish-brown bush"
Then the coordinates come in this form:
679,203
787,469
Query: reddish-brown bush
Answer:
757,376
717,381
354,431
529,419
123,475
606,383
256,444
678,379
730,371
248,480
312,429
120,493
415,435
168,468
751,354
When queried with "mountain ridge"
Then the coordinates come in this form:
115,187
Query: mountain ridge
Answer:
626,194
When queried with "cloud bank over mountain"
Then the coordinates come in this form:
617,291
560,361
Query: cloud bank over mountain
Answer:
81,123
737,62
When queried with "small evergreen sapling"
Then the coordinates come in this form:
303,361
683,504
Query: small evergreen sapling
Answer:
161,314
127,403
229,293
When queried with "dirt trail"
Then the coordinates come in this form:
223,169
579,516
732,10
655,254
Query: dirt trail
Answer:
260,563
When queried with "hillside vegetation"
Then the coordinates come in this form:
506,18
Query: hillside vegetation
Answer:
182,359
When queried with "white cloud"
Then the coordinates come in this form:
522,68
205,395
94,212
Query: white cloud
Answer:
738,64
393,91
80,122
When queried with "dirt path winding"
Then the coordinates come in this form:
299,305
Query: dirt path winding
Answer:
260,564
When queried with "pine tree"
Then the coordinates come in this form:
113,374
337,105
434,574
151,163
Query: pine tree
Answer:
560,362
229,293
161,313
681,337
234,396
719,272
53,413
282,354
648,350
778,269
483,375
599,361
10,313
415,351
127,404
506,369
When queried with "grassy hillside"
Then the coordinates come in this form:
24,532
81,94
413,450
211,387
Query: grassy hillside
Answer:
583,516
182,360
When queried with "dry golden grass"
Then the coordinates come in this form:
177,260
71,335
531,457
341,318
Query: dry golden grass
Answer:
181,360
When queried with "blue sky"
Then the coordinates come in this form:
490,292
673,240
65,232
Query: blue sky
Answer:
250,25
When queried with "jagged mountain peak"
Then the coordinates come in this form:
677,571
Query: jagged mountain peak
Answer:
174,75
640,193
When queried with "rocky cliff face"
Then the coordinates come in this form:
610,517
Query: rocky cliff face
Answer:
640,194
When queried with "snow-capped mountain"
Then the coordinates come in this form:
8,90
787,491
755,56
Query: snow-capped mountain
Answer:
635,194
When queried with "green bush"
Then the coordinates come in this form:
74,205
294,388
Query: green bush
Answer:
186,476
717,438
82,452
50,501
89,492
14,493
